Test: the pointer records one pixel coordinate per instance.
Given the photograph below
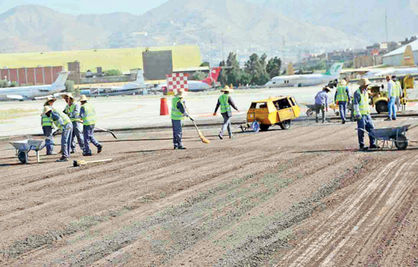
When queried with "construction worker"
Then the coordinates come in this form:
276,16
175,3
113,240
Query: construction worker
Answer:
342,98
398,91
48,126
321,103
73,111
178,113
362,114
64,122
392,92
88,115
225,102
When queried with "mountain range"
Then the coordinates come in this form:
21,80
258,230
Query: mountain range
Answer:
217,26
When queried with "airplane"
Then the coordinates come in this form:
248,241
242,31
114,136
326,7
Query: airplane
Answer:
306,79
205,84
127,89
34,92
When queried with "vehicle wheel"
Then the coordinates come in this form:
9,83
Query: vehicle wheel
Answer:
381,106
401,142
255,126
264,127
285,125
309,112
22,157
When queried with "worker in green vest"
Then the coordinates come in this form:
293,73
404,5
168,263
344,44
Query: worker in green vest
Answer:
342,98
88,115
48,127
362,114
178,113
73,111
226,103
398,92
64,123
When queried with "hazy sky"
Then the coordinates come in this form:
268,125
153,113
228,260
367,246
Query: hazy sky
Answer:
88,6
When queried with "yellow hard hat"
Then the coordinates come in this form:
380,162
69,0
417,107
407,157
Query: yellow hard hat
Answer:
83,98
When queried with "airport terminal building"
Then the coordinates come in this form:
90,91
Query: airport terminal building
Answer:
396,57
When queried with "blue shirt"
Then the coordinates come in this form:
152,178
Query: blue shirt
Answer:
321,98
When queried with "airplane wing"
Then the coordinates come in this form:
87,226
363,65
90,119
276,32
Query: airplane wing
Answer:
15,97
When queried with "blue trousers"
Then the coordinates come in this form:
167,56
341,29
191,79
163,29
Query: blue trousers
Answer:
49,139
88,132
177,133
343,109
365,123
77,132
66,140
227,124
392,107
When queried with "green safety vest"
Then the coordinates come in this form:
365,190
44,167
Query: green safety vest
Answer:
89,117
393,93
224,101
46,121
176,114
69,110
66,120
342,94
364,104
398,88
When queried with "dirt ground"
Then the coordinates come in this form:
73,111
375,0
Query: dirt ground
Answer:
302,197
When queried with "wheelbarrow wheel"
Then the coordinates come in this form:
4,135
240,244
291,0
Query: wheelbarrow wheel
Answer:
401,142
22,157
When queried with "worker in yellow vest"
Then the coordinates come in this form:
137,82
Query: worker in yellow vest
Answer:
64,123
226,103
398,91
88,115
48,127
342,98
362,114
178,113
73,111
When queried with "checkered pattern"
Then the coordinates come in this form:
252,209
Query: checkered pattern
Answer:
177,81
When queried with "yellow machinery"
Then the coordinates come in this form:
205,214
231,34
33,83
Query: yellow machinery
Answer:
275,110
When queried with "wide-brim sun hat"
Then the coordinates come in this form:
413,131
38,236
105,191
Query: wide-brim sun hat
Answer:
364,82
46,110
227,89
69,95
83,98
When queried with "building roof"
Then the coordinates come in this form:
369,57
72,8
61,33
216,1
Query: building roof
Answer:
401,50
123,59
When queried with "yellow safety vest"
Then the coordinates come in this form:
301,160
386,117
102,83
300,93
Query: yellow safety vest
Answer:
89,116
342,94
65,119
176,114
69,110
46,121
364,106
398,88
224,101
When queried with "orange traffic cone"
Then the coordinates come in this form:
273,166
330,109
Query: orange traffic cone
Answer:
164,107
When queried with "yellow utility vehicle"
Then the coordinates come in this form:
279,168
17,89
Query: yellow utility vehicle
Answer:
274,111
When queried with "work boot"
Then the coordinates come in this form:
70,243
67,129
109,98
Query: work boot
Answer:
388,119
181,148
374,146
87,154
364,148
343,121
99,149
62,159
220,136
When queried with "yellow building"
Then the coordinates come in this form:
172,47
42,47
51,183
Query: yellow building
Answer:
123,59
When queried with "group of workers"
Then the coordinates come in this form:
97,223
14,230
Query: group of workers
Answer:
361,106
77,121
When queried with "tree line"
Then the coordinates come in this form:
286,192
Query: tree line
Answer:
256,71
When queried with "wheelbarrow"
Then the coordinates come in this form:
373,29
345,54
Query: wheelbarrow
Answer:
396,136
24,147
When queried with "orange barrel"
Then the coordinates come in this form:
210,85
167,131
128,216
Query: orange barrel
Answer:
164,107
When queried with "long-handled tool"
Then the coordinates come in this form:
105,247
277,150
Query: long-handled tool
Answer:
107,131
79,163
202,137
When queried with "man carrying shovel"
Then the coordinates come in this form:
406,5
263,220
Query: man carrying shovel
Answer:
225,102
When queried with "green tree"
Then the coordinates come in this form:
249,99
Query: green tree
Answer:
198,75
256,67
205,64
113,72
231,73
69,86
273,67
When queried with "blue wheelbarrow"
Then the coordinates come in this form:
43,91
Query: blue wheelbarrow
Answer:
391,137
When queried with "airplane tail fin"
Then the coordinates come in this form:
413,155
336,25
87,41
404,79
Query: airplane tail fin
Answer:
335,69
62,78
213,76
140,77
408,57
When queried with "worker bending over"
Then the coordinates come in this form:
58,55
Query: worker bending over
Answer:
342,98
178,113
73,111
362,114
321,103
64,123
48,127
225,102
392,92
88,115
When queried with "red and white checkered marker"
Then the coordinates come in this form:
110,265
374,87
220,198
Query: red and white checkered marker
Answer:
176,82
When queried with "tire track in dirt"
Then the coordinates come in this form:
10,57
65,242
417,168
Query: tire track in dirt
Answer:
355,213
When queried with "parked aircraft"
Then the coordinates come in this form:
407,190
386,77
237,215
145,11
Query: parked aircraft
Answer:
307,79
32,92
206,84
